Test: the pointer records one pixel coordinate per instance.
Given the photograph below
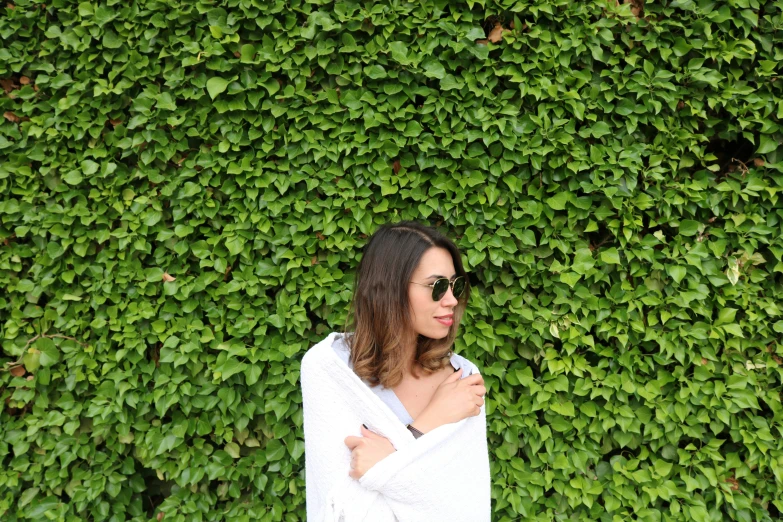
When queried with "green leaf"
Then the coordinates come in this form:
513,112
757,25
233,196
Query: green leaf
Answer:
216,85
689,227
252,374
247,53
610,256
235,245
449,82
583,261
525,375
399,52
600,129
166,102
475,33
375,72
50,354
677,273
475,257
272,86
554,330
37,510
32,360
434,69
412,129
73,177
230,367
27,497
767,144
733,329
558,201
232,448
570,278
588,408
726,315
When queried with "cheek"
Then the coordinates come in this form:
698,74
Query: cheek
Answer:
421,307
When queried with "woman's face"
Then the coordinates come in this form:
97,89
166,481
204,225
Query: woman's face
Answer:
430,318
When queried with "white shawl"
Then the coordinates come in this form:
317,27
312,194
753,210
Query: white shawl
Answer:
441,476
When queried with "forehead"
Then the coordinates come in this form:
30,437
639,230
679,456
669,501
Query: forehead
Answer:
435,261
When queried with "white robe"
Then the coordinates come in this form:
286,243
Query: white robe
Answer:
441,476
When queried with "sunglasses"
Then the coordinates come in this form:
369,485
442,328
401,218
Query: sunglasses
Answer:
441,286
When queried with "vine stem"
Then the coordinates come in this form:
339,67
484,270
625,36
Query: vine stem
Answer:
18,362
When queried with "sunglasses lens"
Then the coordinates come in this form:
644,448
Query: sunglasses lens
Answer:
439,289
459,287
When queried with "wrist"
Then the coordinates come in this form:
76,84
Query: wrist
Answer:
424,422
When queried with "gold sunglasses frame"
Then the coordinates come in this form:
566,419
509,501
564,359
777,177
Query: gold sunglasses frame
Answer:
451,286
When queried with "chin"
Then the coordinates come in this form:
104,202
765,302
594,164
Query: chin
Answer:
440,335
435,334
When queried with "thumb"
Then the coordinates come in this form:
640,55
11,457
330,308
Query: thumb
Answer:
454,377
367,433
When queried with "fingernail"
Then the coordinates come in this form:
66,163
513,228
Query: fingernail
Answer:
365,426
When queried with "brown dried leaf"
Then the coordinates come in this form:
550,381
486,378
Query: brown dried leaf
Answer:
10,116
637,7
314,260
114,123
703,361
758,162
496,34
30,377
168,278
160,516
680,105
17,371
396,166
320,236
483,41
8,84
24,80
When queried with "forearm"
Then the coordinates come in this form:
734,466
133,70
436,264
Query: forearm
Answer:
427,421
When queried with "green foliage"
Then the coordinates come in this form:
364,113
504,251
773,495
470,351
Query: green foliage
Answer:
186,187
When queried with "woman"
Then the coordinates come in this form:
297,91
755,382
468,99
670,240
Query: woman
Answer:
394,422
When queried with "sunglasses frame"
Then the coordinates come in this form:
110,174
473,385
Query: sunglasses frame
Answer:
451,285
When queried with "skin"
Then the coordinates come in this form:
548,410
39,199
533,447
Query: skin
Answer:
432,400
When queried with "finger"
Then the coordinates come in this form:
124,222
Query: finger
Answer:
369,434
479,389
473,379
352,442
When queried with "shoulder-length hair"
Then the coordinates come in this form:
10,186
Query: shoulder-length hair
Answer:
380,314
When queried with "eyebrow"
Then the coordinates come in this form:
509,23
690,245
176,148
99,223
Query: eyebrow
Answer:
436,276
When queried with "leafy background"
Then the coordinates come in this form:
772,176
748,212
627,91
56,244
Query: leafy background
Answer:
187,186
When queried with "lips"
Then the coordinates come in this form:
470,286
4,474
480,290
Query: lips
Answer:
445,320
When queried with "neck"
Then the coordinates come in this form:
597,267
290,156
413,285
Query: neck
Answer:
412,367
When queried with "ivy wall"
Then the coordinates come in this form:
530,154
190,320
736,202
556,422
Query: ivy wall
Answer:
187,185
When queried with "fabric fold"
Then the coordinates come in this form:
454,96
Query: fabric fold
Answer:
443,475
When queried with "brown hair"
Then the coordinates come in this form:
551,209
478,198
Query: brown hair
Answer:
380,311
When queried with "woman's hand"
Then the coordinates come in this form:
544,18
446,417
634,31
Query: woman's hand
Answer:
367,451
454,400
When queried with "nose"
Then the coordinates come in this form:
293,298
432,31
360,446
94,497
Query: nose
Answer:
448,299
